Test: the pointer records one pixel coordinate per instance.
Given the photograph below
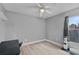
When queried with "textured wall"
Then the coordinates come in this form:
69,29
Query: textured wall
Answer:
23,27
55,25
28,28
2,31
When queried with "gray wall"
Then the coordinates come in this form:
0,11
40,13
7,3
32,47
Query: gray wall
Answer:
55,25
24,28
28,28
2,30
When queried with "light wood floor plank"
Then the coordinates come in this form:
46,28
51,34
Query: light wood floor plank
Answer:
42,48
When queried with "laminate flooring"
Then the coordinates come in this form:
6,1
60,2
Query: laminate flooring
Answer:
42,48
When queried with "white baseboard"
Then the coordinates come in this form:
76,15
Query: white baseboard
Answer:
28,43
58,44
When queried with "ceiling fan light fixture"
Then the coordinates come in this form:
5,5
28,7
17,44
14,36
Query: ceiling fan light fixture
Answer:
42,10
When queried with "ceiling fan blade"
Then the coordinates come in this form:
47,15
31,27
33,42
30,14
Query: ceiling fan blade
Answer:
48,12
41,14
31,6
47,7
39,5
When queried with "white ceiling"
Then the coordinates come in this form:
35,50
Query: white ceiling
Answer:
27,9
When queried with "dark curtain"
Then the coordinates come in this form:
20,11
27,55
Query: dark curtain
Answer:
66,26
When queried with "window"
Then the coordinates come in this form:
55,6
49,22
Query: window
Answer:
73,28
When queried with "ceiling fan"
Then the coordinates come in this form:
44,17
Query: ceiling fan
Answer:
41,8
